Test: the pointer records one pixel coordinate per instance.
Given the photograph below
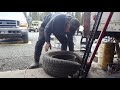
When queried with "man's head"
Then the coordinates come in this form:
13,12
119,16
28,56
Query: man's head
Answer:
73,25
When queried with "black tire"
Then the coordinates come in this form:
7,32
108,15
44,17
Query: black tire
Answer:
25,37
29,30
59,67
35,30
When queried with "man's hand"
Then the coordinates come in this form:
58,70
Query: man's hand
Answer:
47,46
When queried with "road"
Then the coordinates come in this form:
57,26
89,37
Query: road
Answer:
15,55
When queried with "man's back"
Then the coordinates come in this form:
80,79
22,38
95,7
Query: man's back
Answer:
57,23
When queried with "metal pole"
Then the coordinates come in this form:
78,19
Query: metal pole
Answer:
100,37
98,43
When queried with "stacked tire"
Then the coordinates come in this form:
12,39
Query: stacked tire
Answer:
61,64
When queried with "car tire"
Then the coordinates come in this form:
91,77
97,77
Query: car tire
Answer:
59,67
25,37
35,30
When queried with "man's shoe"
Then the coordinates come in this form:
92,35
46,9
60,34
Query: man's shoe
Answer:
34,65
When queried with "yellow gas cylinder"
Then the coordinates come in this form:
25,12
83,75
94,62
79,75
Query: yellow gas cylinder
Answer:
107,54
100,53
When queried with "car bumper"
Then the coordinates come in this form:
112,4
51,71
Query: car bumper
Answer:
32,29
11,33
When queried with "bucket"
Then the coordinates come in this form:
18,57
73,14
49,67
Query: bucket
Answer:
106,54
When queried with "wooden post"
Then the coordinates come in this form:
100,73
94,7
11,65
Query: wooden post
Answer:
86,23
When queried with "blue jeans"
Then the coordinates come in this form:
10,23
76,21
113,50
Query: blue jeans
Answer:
41,40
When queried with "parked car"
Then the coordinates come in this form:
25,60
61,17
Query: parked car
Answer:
35,26
13,25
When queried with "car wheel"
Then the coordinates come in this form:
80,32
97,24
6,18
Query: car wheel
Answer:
25,37
36,30
30,30
61,63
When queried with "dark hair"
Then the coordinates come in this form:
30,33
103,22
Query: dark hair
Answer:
74,25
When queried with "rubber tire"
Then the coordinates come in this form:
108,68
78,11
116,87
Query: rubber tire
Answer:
25,37
36,30
29,30
59,67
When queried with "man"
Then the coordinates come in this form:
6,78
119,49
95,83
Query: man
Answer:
62,26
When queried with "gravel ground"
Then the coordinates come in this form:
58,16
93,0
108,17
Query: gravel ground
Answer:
16,55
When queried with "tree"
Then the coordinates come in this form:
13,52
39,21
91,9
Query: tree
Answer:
25,13
71,13
82,14
30,14
79,16
43,14
35,16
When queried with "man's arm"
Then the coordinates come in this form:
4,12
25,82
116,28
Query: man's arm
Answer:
70,42
48,31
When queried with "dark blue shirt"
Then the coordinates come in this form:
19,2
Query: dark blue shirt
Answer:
56,24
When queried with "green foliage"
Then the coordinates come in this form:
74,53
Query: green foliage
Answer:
40,15
25,14
35,16
43,14
79,16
